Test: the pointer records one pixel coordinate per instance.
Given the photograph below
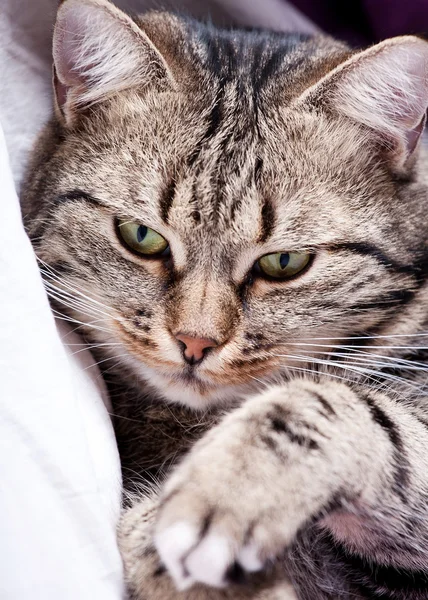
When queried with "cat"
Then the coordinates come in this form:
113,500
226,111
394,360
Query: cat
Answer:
236,222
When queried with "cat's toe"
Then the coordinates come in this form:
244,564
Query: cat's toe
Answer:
211,558
209,562
174,544
249,558
201,544
192,549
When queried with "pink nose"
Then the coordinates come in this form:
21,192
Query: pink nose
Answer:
194,347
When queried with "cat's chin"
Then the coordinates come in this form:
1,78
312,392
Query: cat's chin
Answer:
198,396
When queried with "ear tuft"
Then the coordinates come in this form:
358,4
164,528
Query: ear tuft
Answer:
98,50
388,90
384,88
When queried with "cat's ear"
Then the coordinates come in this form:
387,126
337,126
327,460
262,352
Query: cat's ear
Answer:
98,50
386,89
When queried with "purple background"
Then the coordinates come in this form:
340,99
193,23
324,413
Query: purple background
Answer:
365,21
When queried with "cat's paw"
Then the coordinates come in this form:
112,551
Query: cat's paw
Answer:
147,578
241,495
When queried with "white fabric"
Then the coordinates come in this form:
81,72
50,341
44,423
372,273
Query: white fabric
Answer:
59,466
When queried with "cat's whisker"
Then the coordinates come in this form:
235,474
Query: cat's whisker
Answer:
78,289
95,347
364,359
100,345
99,362
368,373
371,337
70,296
263,383
70,302
122,417
359,346
74,308
90,324
316,373
366,356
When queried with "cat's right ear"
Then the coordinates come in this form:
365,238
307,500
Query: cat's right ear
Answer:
98,51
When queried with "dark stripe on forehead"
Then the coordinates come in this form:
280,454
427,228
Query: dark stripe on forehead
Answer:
254,53
214,121
267,220
167,199
268,68
258,169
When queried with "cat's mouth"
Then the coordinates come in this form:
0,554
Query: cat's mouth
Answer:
198,386
193,389
189,375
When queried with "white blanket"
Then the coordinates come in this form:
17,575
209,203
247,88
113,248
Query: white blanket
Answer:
59,466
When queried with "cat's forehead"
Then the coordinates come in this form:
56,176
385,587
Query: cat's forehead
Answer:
219,173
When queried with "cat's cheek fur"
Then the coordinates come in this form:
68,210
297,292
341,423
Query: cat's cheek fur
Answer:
246,489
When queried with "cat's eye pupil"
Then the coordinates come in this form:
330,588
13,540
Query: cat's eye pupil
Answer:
284,259
141,233
283,265
141,239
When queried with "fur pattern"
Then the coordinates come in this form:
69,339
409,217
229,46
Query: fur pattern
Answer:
293,457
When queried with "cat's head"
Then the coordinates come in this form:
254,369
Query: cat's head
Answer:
216,208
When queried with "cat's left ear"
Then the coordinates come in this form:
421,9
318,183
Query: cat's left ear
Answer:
386,89
99,50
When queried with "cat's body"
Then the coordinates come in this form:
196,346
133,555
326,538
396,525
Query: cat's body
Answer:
302,399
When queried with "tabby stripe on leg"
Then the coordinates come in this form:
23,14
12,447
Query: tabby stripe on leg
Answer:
401,475
324,403
280,426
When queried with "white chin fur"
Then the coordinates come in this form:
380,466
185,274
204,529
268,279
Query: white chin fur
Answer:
181,393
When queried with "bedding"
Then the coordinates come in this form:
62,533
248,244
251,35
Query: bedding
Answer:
59,466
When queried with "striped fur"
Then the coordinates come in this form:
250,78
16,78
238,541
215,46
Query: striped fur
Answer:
302,436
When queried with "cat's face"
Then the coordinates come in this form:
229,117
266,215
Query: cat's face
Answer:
225,178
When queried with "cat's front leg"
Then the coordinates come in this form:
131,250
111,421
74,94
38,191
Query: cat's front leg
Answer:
287,457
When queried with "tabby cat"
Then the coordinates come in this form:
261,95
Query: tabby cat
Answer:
236,220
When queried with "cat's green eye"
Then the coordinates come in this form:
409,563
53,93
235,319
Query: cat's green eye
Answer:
140,238
283,265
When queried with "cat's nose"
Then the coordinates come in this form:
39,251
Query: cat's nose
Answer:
194,347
